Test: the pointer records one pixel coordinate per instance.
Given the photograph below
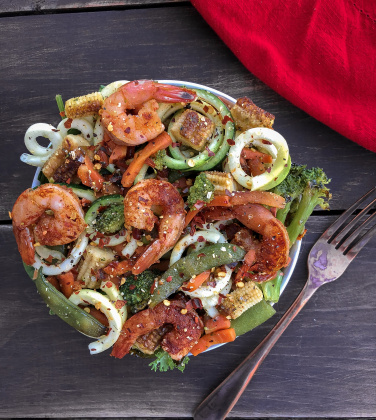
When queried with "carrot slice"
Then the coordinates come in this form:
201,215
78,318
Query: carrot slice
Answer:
256,167
220,322
217,337
159,143
196,282
252,154
89,176
66,282
118,153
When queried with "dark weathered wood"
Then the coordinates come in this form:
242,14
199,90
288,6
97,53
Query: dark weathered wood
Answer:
73,54
323,366
50,6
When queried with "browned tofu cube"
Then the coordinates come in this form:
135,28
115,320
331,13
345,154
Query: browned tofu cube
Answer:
193,129
248,115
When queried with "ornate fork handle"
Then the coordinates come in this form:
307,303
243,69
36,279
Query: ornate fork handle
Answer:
220,402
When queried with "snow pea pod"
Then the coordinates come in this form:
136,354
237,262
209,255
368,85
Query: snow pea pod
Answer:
195,263
252,317
64,309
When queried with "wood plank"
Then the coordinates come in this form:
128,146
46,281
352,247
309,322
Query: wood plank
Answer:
323,366
145,44
49,6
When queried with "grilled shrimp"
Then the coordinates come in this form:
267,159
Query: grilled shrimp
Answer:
130,114
140,203
49,215
187,329
272,250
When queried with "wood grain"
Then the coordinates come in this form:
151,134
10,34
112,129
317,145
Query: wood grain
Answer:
13,7
323,366
63,56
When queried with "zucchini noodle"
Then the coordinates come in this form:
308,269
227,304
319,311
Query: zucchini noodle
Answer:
40,154
104,304
186,241
66,265
81,124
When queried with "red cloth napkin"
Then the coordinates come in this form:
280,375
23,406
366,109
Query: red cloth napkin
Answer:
318,54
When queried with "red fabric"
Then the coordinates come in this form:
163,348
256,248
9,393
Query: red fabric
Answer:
318,54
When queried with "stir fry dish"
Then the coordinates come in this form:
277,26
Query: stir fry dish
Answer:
163,218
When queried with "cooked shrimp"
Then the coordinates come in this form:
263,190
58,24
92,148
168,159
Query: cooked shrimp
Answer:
49,215
140,203
272,250
139,96
187,328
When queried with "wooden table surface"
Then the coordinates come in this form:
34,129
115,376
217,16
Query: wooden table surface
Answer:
323,366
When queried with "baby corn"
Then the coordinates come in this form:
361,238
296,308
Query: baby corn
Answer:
241,299
222,181
83,106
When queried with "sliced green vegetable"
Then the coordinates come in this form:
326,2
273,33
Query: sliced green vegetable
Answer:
252,317
104,201
64,309
81,191
195,263
272,288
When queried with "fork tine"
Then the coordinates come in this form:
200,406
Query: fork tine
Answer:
343,218
362,241
338,238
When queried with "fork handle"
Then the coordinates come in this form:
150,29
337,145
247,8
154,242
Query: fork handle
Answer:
219,403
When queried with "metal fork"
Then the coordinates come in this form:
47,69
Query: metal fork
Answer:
328,259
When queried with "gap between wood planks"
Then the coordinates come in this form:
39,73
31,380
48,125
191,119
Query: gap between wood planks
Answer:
40,7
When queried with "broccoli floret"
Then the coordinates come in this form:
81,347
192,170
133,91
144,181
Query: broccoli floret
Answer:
158,159
110,220
136,289
201,190
303,189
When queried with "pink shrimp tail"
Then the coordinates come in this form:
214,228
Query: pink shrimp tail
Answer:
148,258
169,93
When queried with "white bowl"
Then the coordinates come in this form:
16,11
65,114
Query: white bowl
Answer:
295,250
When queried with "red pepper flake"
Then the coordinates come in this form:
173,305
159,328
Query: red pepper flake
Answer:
181,275
62,115
136,233
230,142
196,303
226,119
101,243
228,193
210,153
127,130
199,204
206,108
35,275
108,284
119,304
132,287
173,144
200,239
152,288
169,278
220,298
268,170
55,129
142,200
234,248
196,320
266,141
68,123
201,255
